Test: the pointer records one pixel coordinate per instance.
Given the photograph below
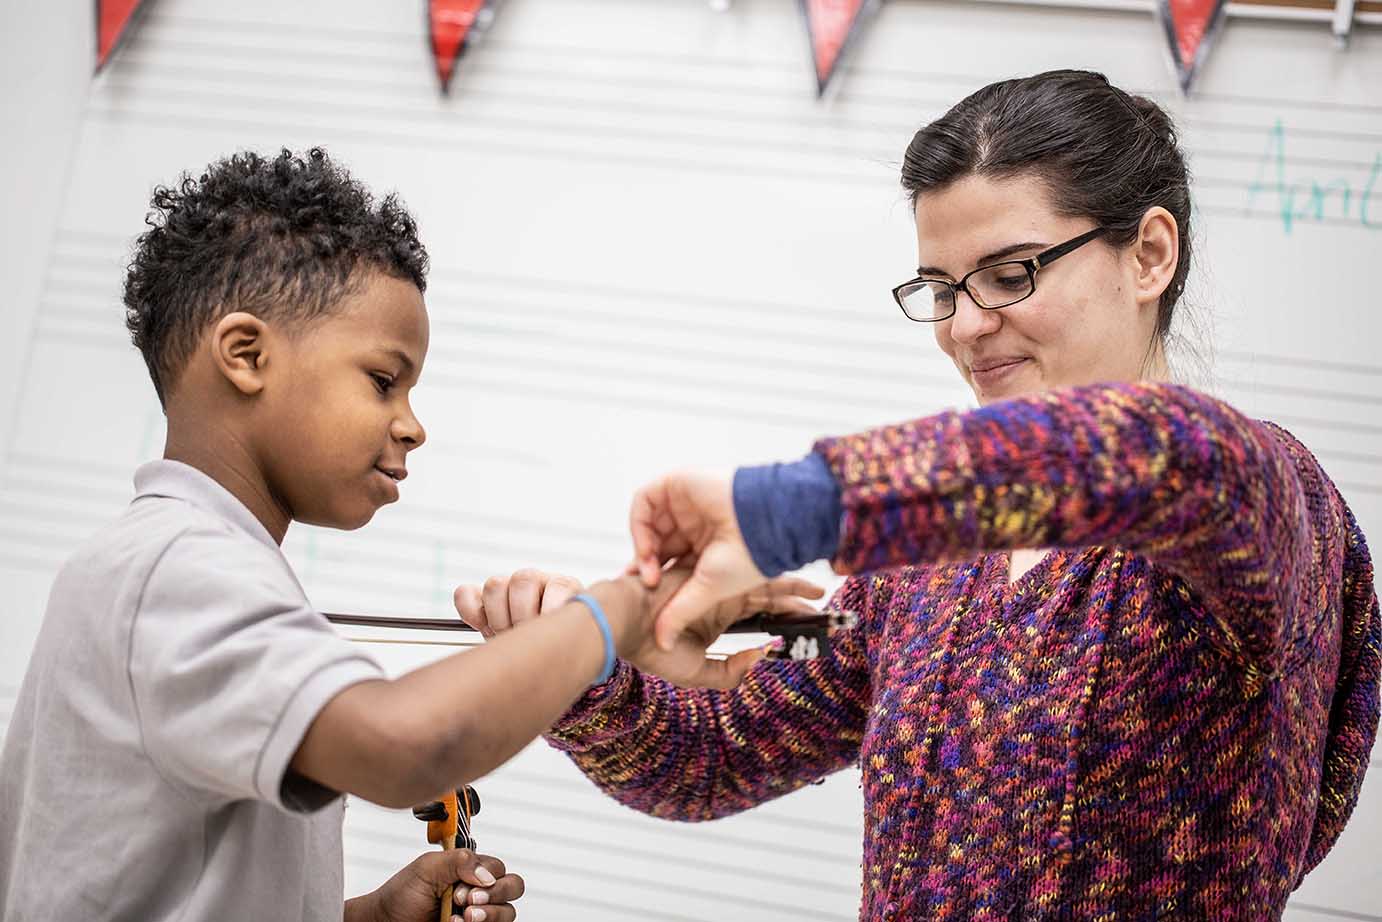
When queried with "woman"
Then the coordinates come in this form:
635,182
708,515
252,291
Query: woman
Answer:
1117,655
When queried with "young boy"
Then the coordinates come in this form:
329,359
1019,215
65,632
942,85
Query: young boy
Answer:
188,721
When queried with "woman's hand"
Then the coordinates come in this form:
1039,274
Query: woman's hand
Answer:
485,891
685,662
690,517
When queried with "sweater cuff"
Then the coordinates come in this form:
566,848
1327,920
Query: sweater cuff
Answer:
789,514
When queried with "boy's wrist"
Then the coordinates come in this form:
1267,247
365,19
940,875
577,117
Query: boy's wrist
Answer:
361,909
626,607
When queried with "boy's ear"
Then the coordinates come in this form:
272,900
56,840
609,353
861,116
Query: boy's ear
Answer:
239,347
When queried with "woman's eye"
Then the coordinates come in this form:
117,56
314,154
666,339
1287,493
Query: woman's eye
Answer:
382,383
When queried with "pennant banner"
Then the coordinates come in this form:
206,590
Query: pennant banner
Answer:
112,21
1191,27
452,24
833,26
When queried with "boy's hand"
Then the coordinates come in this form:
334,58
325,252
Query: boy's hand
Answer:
484,890
507,601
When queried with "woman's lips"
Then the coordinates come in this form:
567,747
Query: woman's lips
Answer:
991,374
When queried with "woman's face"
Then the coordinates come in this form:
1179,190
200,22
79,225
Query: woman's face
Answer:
1092,316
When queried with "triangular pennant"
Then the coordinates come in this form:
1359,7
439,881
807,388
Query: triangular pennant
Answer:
832,26
452,25
112,22
1191,27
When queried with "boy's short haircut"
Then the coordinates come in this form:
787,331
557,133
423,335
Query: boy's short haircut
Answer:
283,238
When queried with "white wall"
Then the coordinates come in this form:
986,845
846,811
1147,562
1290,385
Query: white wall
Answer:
652,248
45,71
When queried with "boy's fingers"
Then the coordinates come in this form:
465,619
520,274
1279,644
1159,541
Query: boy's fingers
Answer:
495,599
470,608
509,888
494,865
499,912
525,593
559,591
465,866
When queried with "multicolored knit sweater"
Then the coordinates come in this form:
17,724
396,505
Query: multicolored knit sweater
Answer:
1169,716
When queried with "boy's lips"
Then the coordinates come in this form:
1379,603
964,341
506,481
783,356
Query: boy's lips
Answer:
388,478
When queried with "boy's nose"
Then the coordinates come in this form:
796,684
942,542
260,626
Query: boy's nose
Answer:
410,432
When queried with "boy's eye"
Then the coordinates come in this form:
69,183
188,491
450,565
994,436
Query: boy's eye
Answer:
382,383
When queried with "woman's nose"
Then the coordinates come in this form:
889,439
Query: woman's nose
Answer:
971,322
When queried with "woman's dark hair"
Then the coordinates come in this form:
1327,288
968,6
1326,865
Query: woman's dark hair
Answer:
283,238
1103,154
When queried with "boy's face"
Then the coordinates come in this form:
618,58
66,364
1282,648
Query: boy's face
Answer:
336,426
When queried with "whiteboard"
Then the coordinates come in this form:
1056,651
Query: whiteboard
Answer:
652,248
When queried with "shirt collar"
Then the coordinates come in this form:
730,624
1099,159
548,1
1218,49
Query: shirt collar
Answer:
176,480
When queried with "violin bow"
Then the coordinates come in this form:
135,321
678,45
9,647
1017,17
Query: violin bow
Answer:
802,637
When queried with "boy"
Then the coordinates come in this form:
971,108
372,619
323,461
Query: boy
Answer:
184,702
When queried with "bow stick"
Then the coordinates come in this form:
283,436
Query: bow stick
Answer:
448,825
804,637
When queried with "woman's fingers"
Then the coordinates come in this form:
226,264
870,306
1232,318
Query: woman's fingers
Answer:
723,673
648,522
795,586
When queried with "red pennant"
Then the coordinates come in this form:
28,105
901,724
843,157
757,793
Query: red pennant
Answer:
112,17
832,26
1191,27
453,23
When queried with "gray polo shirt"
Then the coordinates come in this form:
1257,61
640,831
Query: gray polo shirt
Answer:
145,773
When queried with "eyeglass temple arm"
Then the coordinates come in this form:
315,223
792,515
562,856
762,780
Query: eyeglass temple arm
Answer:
1056,252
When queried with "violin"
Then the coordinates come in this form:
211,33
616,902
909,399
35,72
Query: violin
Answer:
448,825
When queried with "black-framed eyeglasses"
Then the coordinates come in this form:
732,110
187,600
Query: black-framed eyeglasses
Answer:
1003,284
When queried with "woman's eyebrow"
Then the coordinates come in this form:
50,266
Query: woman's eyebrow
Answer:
987,258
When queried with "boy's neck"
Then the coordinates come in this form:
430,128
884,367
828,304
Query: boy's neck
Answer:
224,458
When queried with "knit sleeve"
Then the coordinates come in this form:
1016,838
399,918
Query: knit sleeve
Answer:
1236,508
698,754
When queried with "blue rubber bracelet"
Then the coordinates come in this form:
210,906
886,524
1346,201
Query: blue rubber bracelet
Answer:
599,614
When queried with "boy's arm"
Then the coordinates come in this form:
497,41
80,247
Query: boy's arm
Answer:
399,742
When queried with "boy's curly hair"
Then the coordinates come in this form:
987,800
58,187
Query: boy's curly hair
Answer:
284,238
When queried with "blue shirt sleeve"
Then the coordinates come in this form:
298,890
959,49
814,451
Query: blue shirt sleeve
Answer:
789,514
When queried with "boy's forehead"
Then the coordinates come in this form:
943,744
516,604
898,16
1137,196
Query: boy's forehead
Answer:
386,313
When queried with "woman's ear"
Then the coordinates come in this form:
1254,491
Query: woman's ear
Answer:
239,349
1156,252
